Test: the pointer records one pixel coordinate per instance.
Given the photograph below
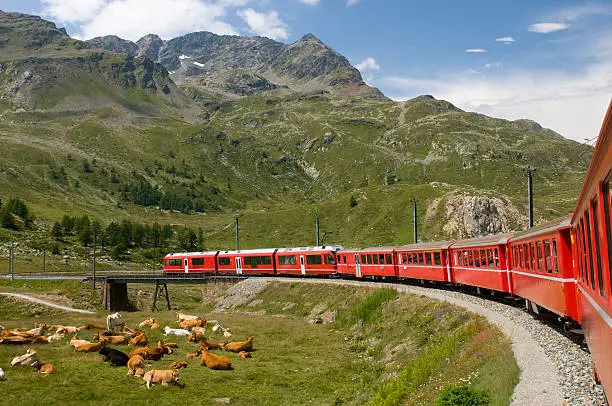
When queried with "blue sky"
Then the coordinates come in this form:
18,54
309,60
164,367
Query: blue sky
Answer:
546,60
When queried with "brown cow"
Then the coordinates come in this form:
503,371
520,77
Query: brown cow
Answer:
214,361
189,324
244,354
213,344
135,363
139,340
240,345
165,377
44,369
178,365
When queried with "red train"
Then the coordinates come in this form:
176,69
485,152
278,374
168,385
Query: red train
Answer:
564,266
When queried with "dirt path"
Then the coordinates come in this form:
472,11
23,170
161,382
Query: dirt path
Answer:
46,303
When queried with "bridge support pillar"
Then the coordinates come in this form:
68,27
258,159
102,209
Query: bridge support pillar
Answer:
115,296
161,289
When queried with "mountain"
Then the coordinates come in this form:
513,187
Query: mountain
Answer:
230,66
284,132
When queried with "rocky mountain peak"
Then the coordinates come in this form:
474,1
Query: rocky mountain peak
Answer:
115,44
309,38
149,46
28,30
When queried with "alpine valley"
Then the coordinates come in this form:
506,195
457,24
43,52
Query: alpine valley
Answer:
196,130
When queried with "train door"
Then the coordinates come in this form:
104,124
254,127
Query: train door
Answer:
302,265
239,265
357,266
186,265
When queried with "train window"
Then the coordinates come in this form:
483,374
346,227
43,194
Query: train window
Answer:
314,259
490,258
483,258
197,261
175,262
496,257
607,207
224,261
329,259
375,259
597,249
584,252
548,256
287,260
437,258
389,259
363,259
428,258
522,255
421,258
587,220
539,256
470,258
555,257
532,258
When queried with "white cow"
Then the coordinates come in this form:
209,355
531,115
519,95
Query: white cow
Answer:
27,359
2,378
113,321
176,331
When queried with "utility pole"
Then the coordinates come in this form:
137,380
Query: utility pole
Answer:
12,260
529,175
94,257
237,235
414,217
317,228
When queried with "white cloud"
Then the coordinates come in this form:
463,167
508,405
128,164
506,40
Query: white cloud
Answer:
368,64
265,24
132,19
71,10
493,65
545,28
505,40
312,2
475,50
350,3
572,104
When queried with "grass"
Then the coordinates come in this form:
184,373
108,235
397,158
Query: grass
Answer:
400,349
414,346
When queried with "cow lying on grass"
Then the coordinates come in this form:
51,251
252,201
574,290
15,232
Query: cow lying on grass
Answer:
27,359
213,361
2,377
139,340
176,331
164,377
44,369
116,357
178,365
135,363
213,344
116,340
240,345
87,346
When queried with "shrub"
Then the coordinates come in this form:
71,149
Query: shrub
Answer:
353,202
462,396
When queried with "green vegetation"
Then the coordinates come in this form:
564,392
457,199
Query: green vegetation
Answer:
462,396
411,347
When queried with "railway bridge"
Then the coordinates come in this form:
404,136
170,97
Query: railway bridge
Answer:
115,294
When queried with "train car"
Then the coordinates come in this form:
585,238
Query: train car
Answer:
541,267
481,262
307,260
428,261
592,237
191,262
372,262
247,262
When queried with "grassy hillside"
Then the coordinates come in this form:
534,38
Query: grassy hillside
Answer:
111,136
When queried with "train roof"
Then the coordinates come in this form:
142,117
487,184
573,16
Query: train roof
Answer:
553,225
253,251
185,254
332,248
426,246
376,249
494,239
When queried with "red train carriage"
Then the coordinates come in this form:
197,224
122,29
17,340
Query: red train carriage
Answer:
481,262
541,267
349,262
191,262
307,260
429,261
244,262
592,237
377,262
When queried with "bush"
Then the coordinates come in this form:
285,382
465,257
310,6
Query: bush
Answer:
462,396
353,202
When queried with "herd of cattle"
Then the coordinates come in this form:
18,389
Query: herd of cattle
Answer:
117,333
